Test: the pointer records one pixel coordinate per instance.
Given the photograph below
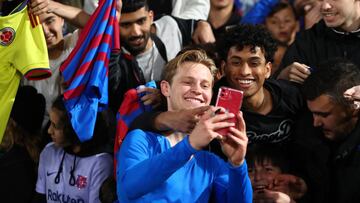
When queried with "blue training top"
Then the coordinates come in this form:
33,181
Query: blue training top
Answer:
149,169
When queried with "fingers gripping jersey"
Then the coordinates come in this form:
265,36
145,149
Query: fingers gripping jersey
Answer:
22,52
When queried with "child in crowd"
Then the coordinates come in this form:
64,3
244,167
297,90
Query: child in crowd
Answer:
283,25
269,175
71,171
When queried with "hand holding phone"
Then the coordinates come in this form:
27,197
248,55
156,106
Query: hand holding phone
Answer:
231,100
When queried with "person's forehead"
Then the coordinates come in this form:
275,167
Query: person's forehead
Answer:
266,162
134,16
46,16
323,103
54,114
284,12
192,70
246,51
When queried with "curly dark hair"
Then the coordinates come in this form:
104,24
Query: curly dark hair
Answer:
247,35
332,77
129,6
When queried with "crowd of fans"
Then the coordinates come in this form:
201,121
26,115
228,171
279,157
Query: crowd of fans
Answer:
296,136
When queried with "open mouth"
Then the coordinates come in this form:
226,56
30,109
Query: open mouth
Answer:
136,40
283,34
245,83
194,100
329,16
259,188
49,38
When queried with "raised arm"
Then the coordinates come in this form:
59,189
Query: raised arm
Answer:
182,120
73,15
234,147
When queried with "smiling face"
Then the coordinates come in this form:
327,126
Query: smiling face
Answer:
135,30
262,174
341,13
247,69
52,26
283,25
335,120
190,87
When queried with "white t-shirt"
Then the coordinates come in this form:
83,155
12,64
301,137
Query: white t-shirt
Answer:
50,87
151,62
90,6
191,9
89,173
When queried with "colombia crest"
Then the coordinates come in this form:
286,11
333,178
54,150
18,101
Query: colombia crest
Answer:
7,36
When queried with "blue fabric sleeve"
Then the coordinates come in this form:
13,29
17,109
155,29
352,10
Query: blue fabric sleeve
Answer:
141,169
259,12
241,189
233,184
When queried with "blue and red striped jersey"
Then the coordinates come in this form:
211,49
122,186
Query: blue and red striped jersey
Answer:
130,109
85,72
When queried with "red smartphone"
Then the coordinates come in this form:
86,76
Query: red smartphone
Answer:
231,100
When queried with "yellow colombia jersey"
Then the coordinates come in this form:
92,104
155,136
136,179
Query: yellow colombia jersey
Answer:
22,52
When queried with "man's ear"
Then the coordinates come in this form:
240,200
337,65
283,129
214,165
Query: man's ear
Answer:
221,70
222,67
165,88
151,16
152,25
268,67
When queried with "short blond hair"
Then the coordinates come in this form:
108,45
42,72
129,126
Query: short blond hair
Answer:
195,56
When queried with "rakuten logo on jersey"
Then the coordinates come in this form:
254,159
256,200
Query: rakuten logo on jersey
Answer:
59,197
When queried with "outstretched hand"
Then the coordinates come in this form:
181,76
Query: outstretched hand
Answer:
270,196
292,185
295,72
183,120
203,33
353,94
151,97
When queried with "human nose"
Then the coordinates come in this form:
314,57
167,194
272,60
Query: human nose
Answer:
258,176
50,129
325,5
317,121
195,88
281,24
45,28
135,30
244,69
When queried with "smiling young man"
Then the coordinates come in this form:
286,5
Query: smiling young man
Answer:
270,107
173,168
59,46
331,157
336,35
146,46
